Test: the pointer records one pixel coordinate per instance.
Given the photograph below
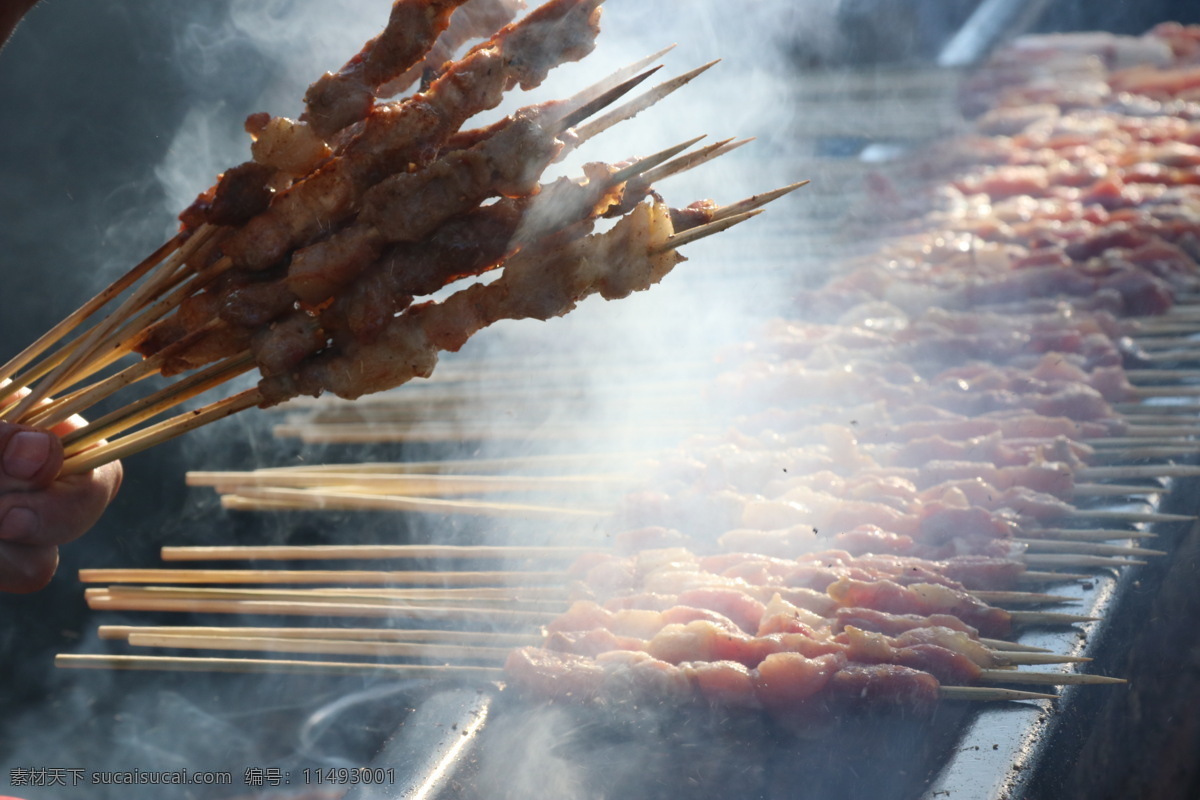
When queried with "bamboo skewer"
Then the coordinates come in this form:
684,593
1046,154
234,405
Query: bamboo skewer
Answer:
1132,517
1050,618
1144,392
1145,413
1095,535
154,404
985,694
1047,678
402,635
162,432
248,499
295,552
456,652
329,608
1115,490
1077,560
444,672
1127,471
1020,659
1032,577
1003,653
426,485
1005,598
320,576
399,433
472,674
428,599
1087,548
453,651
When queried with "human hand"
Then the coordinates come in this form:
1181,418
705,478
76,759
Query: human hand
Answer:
40,510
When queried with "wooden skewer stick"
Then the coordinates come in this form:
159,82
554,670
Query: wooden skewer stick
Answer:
458,652
755,201
1087,548
1157,419
481,593
472,674
1094,535
72,321
343,647
1115,490
1146,392
1144,413
1175,356
1163,451
1132,517
419,636
357,501
154,404
351,433
1011,647
1163,374
690,235
586,103
1001,598
1163,427
368,551
618,76
1018,659
682,164
319,576
985,694
632,108
1032,577
1047,618
416,484
486,616
1151,344
541,463
1047,678
1072,560
157,434
1135,471
437,598
1171,436
1101,456
244,665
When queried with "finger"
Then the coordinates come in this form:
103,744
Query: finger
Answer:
26,568
29,458
60,513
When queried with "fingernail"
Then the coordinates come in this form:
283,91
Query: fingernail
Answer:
25,454
19,524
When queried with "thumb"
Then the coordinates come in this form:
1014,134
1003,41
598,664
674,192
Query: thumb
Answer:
29,458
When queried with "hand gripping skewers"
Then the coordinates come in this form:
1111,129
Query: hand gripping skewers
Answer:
310,261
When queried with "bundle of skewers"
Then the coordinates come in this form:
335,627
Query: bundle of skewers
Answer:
918,452
313,262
